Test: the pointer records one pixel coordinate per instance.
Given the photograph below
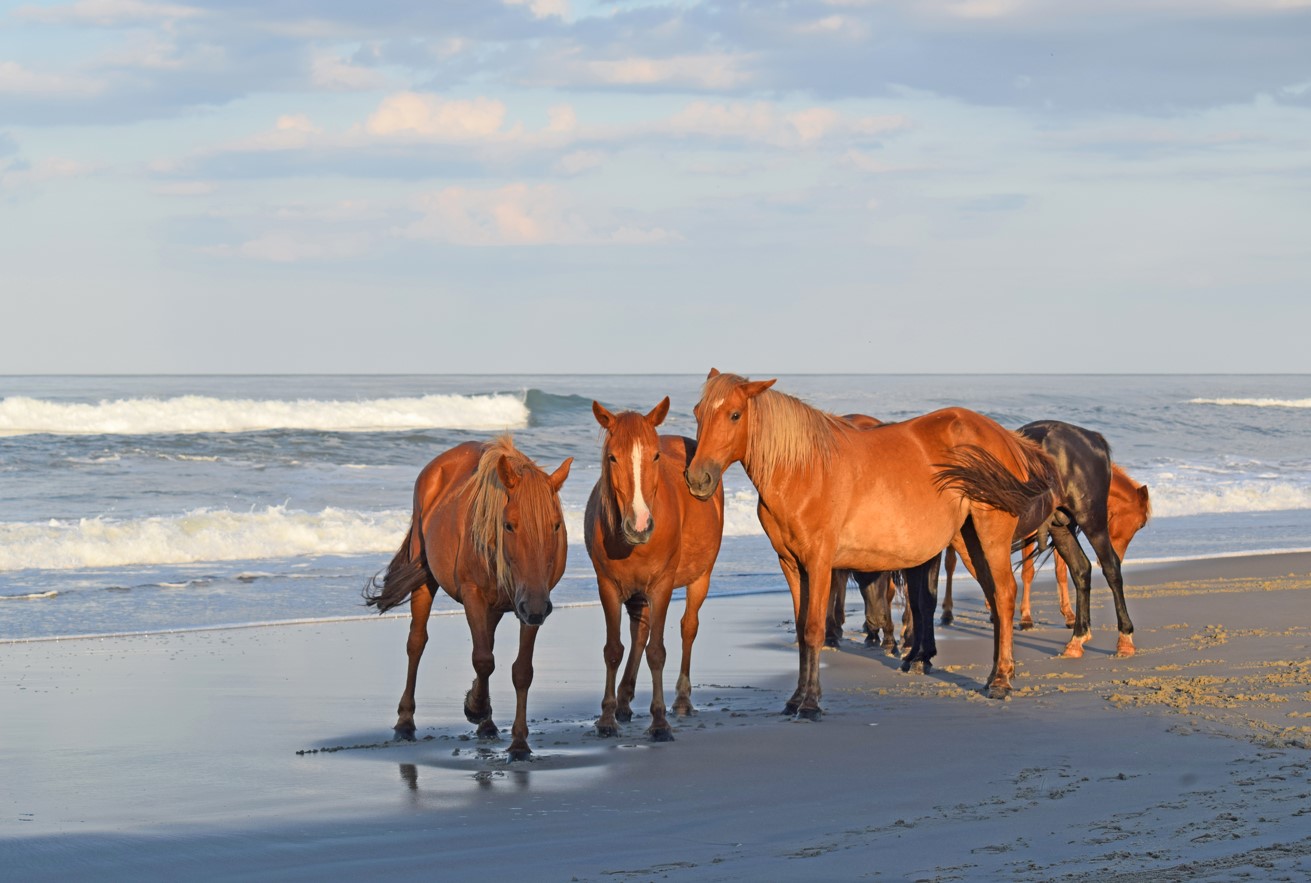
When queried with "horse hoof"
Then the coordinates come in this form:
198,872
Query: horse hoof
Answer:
405,732
623,715
1026,624
891,650
607,731
684,709
1069,624
661,734
810,714
791,708
1073,650
947,619
488,730
521,753
999,691
1125,648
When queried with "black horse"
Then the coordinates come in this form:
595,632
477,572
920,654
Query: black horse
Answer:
1083,460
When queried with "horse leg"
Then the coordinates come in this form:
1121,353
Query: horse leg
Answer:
1063,591
690,623
907,615
796,585
872,623
613,654
659,730
921,598
482,626
638,625
837,612
878,610
522,675
1067,546
818,576
987,538
947,607
1110,563
420,607
1026,576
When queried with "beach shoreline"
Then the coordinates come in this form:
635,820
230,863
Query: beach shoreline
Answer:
267,752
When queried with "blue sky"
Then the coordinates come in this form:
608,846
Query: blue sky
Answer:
567,186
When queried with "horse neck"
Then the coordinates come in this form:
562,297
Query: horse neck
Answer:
772,461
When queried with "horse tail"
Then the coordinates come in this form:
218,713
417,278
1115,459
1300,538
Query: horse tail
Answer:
981,477
406,573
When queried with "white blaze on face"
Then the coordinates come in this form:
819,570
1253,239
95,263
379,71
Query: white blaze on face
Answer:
641,514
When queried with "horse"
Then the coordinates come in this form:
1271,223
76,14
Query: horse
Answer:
488,528
647,535
1128,509
887,498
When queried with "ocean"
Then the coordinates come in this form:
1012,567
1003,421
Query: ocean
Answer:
149,504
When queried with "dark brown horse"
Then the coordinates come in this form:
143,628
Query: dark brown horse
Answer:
832,496
488,529
1128,509
647,535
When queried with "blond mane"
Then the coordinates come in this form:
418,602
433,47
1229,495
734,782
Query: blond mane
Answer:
534,495
783,432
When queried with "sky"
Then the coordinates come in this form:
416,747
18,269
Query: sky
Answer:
626,186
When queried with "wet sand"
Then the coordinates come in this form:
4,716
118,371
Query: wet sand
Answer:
264,753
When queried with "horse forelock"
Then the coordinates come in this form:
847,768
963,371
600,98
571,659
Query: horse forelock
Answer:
534,496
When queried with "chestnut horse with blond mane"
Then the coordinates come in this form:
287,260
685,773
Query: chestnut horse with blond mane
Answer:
647,535
887,498
487,528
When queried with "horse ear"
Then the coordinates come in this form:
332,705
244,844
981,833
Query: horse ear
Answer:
1144,498
602,416
756,387
558,476
509,477
714,372
658,413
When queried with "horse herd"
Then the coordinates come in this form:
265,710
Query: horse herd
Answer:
838,497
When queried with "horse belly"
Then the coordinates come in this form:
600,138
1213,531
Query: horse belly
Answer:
891,533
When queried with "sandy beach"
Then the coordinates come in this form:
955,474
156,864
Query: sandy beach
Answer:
264,752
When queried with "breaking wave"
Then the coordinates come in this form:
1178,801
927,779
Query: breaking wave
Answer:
20,415
1255,403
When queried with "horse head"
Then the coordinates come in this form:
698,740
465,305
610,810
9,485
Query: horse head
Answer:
722,421
630,467
533,542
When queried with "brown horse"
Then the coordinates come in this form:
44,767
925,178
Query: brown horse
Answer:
1128,509
646,536
488,529
887,498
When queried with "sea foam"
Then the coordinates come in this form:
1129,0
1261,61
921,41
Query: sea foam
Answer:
1255,403
199,535
20,415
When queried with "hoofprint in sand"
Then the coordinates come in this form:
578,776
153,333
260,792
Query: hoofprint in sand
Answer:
265,752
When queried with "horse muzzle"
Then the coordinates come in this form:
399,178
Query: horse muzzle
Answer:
533,612
636,537
701,482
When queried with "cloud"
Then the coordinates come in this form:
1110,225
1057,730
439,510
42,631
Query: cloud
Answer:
432,117
16,79
332,72
515,215
543,8
15,175
106,13
766,123
710,71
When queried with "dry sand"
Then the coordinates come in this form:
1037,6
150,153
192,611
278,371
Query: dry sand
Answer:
263,753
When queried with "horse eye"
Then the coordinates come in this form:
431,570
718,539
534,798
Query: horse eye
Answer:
557,527
656,458
735,416
614,459
509,528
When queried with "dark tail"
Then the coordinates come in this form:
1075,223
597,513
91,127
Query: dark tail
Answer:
982,478
406,573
